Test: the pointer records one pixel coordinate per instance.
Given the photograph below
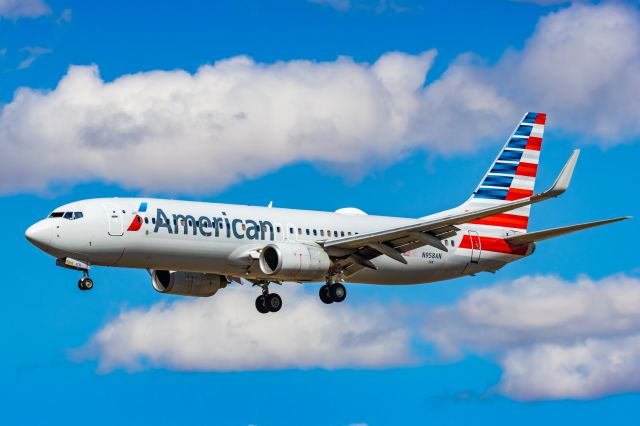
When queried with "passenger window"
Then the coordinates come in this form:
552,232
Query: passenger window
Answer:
244,227
452,244
349,233
139,219
322,232
308,233
315,233
299,231
335,233
291,230
278,228
342,233
146,220
153,220
68,215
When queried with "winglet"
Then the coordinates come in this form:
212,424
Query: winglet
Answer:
564,178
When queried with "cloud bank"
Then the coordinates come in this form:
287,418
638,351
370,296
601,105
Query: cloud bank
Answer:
175,132
554,339
226,333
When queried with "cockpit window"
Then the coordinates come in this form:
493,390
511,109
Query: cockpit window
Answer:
67,215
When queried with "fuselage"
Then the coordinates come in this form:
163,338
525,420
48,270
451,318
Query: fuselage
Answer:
223,239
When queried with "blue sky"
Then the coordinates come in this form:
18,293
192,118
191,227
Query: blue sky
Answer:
360,111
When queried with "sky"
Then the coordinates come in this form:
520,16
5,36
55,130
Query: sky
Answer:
396,107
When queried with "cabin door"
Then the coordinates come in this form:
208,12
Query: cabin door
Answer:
116,226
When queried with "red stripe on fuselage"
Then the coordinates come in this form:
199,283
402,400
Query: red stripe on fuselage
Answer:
497,245
504,220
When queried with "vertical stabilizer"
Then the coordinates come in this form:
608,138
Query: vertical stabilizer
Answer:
512,176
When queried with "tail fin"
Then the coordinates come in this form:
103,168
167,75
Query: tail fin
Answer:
512,175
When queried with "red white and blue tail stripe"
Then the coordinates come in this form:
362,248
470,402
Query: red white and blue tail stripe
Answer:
512,175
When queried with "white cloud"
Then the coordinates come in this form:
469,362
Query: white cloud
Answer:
589,369
33,54
226,333
14,9
585,335
237,119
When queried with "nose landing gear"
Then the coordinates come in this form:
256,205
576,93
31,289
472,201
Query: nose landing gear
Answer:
85,283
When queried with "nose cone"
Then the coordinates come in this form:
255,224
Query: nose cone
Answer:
39,234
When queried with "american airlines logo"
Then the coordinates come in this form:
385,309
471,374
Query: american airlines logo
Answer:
214,226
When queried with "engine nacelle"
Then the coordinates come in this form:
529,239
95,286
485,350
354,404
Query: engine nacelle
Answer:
294,261
187,283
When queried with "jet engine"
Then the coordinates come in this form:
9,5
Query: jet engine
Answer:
294,261
187,283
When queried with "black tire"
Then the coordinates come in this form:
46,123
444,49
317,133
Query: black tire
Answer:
81,285
274,302
88,283
325,294
338,292
261,306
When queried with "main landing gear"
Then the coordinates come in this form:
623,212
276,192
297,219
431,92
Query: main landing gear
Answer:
333,292
268,302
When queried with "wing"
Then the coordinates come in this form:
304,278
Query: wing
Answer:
395,241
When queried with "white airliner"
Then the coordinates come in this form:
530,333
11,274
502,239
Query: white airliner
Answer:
195,248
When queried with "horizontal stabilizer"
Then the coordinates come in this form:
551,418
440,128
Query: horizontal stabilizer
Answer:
556,232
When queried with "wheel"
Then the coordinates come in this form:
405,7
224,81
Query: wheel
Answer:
274,302
261,305
88,283
337,292
81,285
325,296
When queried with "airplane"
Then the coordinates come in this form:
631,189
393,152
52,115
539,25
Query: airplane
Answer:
197,248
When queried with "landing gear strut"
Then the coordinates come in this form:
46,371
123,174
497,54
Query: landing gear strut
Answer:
332,292
268,302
